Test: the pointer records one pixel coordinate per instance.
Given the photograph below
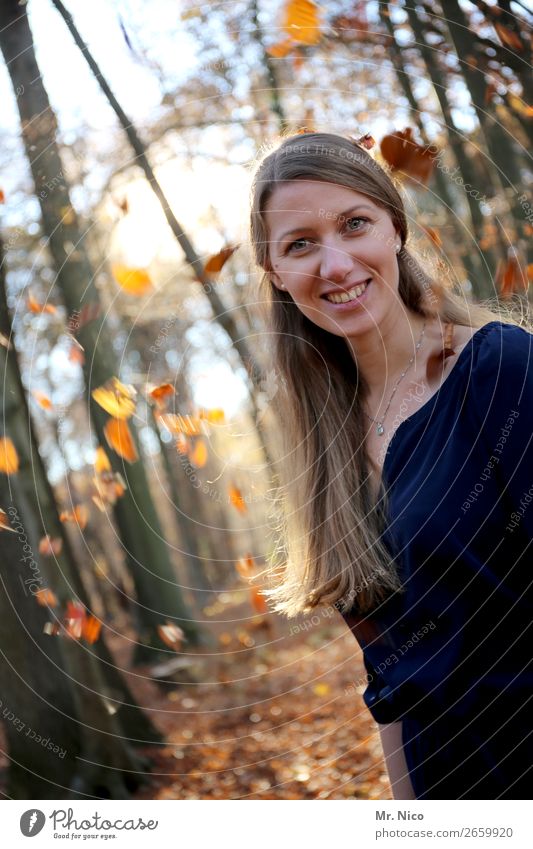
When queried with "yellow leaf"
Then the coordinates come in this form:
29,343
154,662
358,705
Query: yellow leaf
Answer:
101,461
198,455
4,523
321,689
301,21
115,398
42,399
135,281
9,460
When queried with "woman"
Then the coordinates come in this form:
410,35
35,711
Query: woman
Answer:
405,473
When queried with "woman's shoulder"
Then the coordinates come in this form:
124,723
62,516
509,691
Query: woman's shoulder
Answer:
499,348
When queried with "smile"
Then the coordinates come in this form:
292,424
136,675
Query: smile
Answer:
350,295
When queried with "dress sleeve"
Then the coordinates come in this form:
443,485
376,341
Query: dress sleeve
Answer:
502,417
379,696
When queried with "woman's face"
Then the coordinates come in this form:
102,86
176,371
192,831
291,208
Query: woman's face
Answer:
329,240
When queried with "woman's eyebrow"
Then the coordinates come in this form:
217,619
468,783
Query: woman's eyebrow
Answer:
340,215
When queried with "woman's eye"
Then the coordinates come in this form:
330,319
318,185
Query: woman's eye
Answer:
355,218
292,244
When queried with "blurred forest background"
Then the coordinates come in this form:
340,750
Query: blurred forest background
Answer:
137,654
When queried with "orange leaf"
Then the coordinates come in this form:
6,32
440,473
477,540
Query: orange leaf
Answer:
216,262
74,618
434,236
198,455
135,281
258,600
189,425
101,461
214,416
279,50
171,635
42,399
4,522
49,546
9,460
301,21
109,487
161,393
2,196
115,398
46,598
36,307
511,276
120,439
245,566
401,152
90,629
235,497
80,515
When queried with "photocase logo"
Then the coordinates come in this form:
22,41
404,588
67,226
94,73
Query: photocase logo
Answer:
32,822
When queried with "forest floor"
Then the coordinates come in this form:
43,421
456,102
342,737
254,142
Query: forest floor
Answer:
272,709
276,713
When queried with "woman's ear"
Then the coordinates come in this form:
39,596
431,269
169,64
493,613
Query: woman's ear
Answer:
276,280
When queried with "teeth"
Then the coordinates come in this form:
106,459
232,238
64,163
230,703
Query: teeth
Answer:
344,297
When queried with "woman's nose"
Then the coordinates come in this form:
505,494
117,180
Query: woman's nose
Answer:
335,263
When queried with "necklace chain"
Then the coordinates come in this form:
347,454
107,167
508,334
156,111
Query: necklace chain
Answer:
380,430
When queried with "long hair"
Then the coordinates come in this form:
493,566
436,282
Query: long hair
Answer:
329,548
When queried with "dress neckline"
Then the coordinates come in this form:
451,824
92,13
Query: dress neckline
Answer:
433,399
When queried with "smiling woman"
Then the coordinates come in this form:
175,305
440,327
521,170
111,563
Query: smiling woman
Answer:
392,392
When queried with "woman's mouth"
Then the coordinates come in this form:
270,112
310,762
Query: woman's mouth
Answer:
352,295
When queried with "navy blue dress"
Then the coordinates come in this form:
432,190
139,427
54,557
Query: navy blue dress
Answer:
452,656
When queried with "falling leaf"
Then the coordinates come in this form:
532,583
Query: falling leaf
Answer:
80,515
402,153
301,21
90,629
4,341
46,598
9,460
120,439
258,601
135,281
4,522
73,621
235,497
42,399
123,205
189,425
216,262
245,566
115,398
198,455
2,196
520,106
101,461
50,546
171,635
214,416
52,628
511,276
367,141
281,49
35,307
109,487
160,394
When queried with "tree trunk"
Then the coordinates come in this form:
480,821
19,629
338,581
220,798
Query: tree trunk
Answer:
466,166
158,595
503,153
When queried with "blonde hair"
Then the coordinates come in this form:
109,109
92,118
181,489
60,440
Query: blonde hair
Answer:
328,548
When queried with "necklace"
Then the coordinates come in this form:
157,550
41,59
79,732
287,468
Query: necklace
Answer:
380,430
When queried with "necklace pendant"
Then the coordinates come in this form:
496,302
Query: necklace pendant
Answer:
380,430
